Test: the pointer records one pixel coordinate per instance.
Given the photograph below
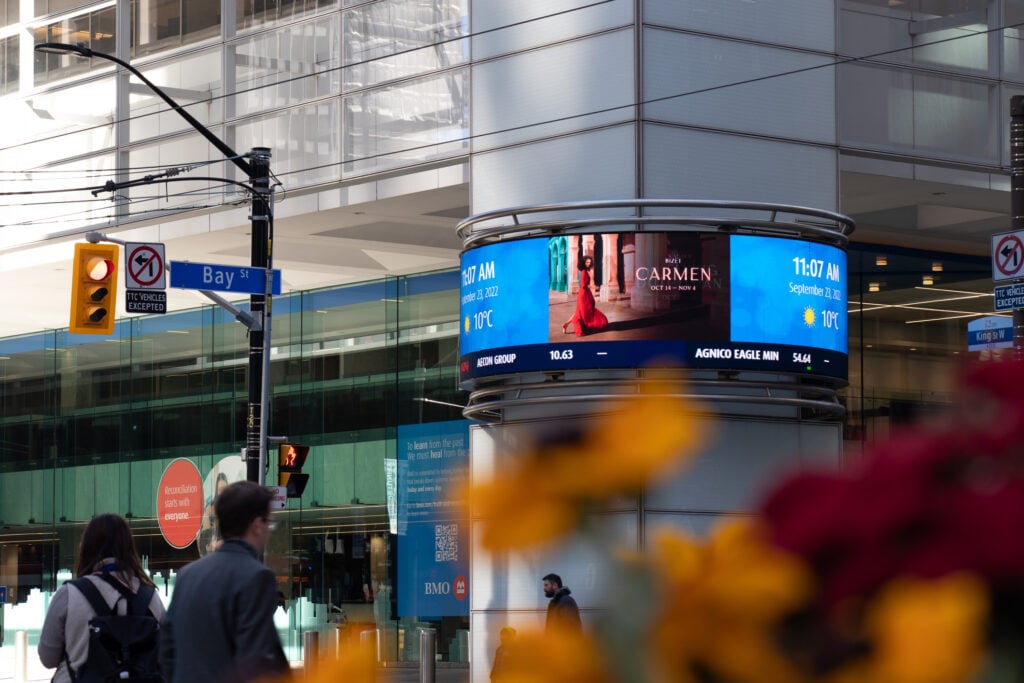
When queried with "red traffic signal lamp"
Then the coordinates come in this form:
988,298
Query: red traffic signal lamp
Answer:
290,459
94,288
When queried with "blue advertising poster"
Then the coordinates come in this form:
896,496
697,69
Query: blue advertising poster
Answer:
785,290
433,537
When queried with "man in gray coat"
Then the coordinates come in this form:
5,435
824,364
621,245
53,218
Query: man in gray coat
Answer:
220,624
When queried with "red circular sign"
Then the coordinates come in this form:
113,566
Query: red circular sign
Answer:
179,503
1009,256
461,589
145,267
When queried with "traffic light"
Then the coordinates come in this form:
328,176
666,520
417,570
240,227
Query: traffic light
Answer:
290,459
94,288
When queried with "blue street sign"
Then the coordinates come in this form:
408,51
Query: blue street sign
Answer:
1009,297
219,278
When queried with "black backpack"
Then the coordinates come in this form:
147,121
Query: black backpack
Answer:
122,648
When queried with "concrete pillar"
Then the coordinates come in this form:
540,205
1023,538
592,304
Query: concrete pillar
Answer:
645,100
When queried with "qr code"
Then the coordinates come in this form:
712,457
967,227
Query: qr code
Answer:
446,543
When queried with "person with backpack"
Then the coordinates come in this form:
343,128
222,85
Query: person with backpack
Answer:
104,625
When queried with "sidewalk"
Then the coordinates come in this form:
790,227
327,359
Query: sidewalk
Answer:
395,672
402,672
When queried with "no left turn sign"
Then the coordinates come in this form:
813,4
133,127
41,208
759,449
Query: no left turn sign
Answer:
144,266
1008,255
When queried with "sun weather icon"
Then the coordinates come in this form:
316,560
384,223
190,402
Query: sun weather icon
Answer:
466,324
809,317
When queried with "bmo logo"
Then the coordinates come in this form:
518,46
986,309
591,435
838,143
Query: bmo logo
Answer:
437,588
460,590
461,587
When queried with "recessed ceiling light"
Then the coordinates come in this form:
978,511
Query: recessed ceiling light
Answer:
874,287
881,260
936,266
927,280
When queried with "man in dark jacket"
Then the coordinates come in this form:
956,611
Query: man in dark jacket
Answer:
563,613
220,624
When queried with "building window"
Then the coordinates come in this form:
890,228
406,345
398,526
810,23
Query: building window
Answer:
9,66
162,24
8,12
95,29
47,7
254,12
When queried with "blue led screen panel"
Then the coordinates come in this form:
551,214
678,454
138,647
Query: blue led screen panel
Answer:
683,299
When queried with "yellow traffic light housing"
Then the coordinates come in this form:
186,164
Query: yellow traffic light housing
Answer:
94,288
290,459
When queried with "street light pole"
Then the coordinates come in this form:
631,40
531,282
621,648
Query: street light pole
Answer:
1017,202
257,170
259,306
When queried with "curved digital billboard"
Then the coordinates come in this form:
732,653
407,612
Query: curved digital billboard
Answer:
619,300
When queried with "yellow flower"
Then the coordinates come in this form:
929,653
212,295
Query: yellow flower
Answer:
521,510
554,657
929,631
640,438
356,664
721,602
543,492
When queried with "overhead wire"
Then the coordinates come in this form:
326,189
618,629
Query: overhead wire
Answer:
654,100
511,129
350,65
370,60
77,216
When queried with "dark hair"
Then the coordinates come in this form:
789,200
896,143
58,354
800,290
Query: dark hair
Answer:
582,265
239,504
108,535
555,579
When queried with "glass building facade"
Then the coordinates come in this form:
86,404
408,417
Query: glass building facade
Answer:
89,425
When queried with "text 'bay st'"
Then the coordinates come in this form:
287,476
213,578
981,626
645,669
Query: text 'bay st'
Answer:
222,278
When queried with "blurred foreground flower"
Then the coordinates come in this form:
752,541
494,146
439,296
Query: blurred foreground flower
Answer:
722,602
356,664
546,490
554,656
928,631
905,567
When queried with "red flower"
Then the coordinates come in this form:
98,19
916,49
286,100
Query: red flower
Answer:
924,503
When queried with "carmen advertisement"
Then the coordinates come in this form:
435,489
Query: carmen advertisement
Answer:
686,299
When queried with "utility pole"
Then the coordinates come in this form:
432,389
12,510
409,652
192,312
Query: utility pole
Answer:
260,307
1017,202
257,171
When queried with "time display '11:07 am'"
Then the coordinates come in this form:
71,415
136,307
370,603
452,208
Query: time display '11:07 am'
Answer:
816,267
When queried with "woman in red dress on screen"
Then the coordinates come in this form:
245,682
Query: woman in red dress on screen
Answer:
587,318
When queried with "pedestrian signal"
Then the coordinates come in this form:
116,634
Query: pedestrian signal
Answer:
290,459
94,288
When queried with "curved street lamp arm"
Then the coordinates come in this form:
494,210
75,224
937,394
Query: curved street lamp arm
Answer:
84,51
